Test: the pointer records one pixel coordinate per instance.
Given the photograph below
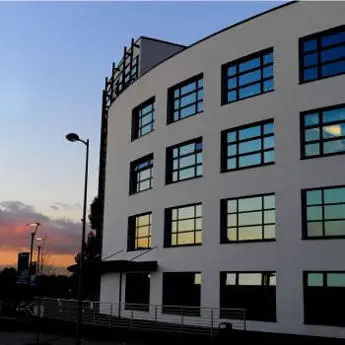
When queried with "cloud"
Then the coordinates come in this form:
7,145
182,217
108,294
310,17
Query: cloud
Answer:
63,206
62,235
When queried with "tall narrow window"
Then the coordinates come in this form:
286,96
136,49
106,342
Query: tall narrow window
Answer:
186,99
248,146
248,76
324,298
137,293
184,161
323,212
322,54
143,119
139,231
248,219
141,175
323,132
183,225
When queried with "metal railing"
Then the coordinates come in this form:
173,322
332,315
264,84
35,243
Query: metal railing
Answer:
198,320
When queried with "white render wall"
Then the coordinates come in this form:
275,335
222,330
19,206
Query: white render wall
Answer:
289,256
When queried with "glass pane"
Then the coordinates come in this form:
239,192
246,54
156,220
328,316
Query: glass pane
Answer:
177,104
143,243
334,195
186,238
268,156
174,213
310,45
198,223
232,206
314,197
249,146
333,68
333,115
188,88
144,185
232,83
197,278
268,58
314,229
249,160
333,131
198,210
335,211
200,83
310,74
269,201
175,176
269,216
231,136
173,239
335,228
249,132
146,129
146,109
314,213
269,128
200,107
250,233
143,220
269,232
334,146
231,70
191,110
268,85
231,163
232,234
249,90
175,164
199,170
333,39
249,64
232,220
186,212
250,279
312,134
186,225
186,149
315,279
312,149
336,279
191,98
230,279
250,218
232,150
250,204
187,173
143,231
310,59
187,161
311,119
176,115
333,54
269,142
200,95
145,174
268,71
175,152
250,77
232,96
198,237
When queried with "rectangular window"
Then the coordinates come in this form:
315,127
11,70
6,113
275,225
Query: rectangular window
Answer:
324,298
137,293
322,55
248,76
247,146
248,219
141,174
186,99
183,225
253,291
184,161
323,132
139,231
323,212
181,293
143,119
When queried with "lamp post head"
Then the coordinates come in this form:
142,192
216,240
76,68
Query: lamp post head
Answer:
33,225
72,137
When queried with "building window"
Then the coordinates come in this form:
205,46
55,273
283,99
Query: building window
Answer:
186,99
137,293
141,174
324,212
139,231
248,146
324,298
246,77
143,119
323,132
253,291
183,225
184,161
181,293
248,219
322,55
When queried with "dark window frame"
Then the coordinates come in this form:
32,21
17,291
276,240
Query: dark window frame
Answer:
224,145
304,214
132,232
318,36
224,214
224,76
133,181
303,143
171,99
168,226
137,116
169,168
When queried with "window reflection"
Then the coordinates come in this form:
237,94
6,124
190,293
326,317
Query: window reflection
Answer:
143,119
141,174
139,231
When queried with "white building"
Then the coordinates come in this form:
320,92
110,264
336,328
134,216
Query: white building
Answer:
224,173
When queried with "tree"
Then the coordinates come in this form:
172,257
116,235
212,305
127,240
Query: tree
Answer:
95,215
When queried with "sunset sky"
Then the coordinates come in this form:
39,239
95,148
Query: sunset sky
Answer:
54,57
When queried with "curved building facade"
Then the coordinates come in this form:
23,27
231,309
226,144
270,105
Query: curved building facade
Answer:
224,174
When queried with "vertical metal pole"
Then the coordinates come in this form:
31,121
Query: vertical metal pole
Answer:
38,265
81,261
31,253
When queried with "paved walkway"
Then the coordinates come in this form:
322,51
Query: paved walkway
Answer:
22,338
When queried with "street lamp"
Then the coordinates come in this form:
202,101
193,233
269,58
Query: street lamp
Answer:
39,247
35,227
73,137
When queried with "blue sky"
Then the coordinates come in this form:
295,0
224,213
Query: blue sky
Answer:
54,57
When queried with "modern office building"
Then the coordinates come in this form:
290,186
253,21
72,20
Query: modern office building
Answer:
222,173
